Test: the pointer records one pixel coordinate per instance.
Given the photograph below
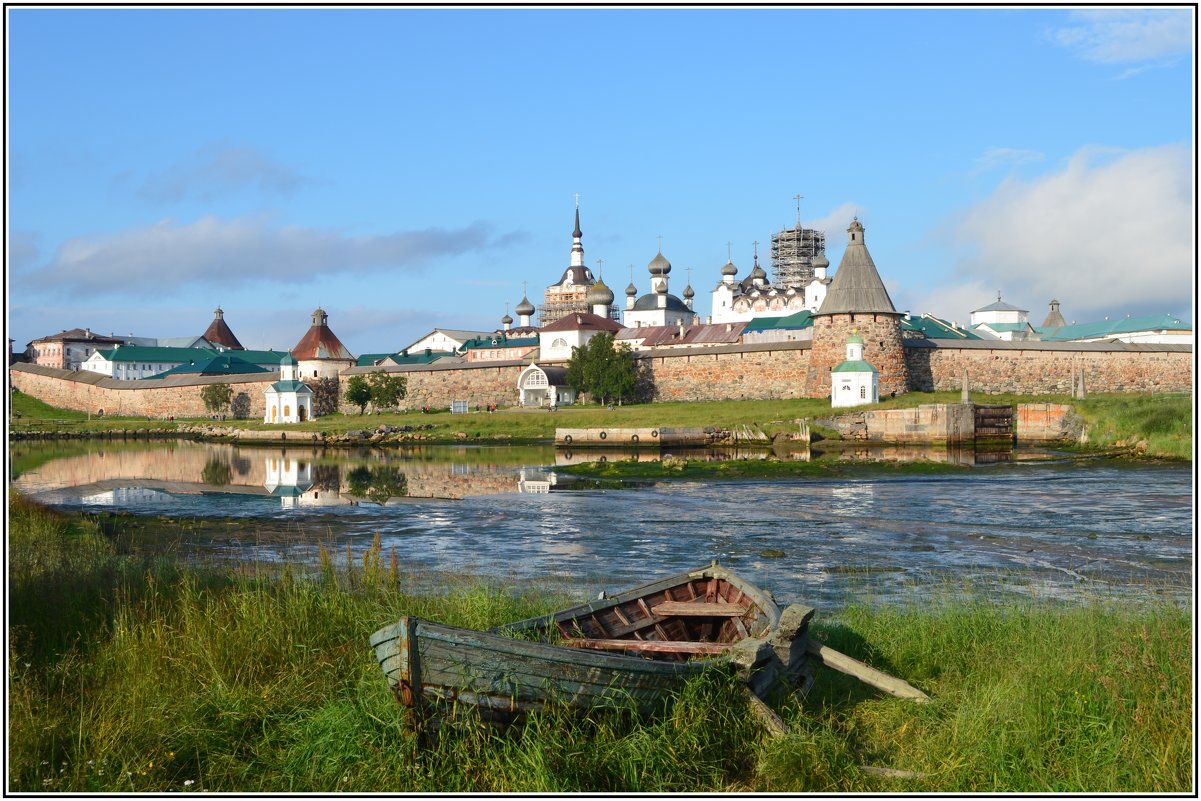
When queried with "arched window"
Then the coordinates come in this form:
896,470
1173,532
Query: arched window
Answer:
863,393
559,343
287,410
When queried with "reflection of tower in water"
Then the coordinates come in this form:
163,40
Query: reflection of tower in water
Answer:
535,481
287,478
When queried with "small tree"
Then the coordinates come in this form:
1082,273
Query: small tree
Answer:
325,396
240,406
604,372
358,392
216,397
387,390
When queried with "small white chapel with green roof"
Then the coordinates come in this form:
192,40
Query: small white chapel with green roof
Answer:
289,400
854,382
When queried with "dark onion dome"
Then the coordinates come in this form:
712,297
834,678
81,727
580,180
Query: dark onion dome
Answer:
729,269
524,308
820,260
659,265
506,320
599,294
758,272
651,303
631,290
688,293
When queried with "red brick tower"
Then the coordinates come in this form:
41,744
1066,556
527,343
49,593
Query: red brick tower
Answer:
857,303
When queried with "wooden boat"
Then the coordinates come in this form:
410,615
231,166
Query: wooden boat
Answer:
629,650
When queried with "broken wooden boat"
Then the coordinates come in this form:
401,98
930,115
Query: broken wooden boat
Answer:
627,651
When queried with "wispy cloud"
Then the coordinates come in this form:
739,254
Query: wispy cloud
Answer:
155,259
216,170
1105,234
1118,35
22,249
836,222
999,157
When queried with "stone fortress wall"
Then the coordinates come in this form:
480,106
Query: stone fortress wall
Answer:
726,372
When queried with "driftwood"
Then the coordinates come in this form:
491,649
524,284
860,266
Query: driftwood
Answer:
773,723
865,673
892,773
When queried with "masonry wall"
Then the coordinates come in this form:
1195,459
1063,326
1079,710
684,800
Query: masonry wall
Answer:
947,422
726,374
1037,369
477,383
157,398
882,349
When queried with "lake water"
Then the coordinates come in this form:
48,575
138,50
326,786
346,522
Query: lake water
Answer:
1064,528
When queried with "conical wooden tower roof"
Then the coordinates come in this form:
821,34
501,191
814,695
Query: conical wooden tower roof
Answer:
856,286
219,334
319,341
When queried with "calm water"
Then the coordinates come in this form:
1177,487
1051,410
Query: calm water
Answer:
1066,529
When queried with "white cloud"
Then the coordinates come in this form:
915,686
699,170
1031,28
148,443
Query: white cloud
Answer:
1106,234
1117,35
836,222
216,170
155,259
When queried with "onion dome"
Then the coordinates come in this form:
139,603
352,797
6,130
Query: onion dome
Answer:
524,308
729,269
688,293
820,260
631,290
599,294
758,272
506,320
659,265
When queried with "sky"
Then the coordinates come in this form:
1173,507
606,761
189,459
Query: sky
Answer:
407,169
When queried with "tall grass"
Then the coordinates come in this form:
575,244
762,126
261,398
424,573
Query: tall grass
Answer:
136,676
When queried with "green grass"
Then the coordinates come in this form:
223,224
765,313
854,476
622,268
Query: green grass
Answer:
128,675
1157,425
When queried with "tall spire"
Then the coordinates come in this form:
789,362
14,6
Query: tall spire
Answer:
577,247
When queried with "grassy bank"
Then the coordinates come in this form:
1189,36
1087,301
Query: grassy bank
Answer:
1144,425
138,676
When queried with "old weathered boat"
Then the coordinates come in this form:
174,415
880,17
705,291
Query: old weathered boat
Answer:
629,650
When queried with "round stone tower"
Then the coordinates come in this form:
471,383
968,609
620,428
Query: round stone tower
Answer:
857,302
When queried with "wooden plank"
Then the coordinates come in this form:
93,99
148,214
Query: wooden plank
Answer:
651,646
865,673
697,609
773,723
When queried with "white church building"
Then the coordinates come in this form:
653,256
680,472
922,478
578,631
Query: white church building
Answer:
854,382
288,400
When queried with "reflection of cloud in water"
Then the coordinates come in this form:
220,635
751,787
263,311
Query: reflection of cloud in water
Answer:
849,498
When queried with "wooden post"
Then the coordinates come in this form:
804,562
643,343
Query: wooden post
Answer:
865,673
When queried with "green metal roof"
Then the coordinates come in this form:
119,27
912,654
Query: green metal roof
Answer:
146,353
424,357
1109,328
498,342
801,319
858,366
263,358
290,386
934,328
1003,326
368,359
222,364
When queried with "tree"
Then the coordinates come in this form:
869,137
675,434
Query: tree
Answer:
604,372
387,390
358,392
239,407
216,397
325,396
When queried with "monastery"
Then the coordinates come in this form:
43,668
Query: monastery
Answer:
806,333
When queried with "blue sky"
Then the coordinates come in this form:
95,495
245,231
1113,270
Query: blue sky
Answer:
407,169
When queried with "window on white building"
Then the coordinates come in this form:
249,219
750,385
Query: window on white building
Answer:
863,392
